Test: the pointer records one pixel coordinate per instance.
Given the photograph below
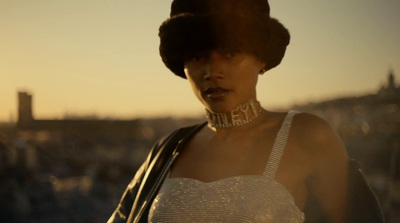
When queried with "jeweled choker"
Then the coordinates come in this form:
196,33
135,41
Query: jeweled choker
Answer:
241,115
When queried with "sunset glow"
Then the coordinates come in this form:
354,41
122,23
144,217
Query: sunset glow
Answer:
101,57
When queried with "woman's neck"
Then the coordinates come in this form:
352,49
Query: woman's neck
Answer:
241,115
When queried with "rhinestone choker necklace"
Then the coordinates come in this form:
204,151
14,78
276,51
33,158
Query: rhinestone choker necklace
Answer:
241,115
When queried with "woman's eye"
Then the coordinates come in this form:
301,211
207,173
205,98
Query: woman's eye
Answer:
231,54
192,58
196,58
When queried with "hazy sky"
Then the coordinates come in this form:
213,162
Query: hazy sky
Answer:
98,56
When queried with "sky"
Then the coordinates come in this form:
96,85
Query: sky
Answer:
101,57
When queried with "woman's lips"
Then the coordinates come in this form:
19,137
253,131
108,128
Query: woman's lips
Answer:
217,92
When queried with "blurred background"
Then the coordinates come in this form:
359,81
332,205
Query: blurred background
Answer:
84,95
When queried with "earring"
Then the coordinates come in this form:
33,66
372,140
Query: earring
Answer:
262,71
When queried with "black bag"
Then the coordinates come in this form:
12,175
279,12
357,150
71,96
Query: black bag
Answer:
364,205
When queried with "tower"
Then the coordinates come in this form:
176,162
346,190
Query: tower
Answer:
24,109
391,82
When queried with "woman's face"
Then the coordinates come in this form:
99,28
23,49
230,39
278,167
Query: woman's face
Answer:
221,79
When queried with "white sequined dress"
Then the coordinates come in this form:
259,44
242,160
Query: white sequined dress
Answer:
247,198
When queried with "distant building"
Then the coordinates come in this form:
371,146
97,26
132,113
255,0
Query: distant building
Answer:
90,128
25,116
390,90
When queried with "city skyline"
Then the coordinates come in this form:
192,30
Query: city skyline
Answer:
28,112
98,57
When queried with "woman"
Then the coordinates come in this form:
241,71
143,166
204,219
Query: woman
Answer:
247,164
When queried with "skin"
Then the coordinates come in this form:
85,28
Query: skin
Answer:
210,69
314,160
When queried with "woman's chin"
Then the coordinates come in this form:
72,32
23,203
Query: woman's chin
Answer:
219,109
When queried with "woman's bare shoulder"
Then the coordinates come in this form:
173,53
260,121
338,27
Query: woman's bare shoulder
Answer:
318,137
311,124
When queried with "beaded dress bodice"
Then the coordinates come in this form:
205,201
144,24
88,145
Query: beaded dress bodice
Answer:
245,198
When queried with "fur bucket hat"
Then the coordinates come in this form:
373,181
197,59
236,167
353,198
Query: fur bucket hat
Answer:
239,25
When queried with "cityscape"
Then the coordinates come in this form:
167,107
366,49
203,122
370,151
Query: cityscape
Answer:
75,169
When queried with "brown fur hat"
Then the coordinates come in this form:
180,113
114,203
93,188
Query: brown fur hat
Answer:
242,25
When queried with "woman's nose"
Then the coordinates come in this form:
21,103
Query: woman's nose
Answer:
213,66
